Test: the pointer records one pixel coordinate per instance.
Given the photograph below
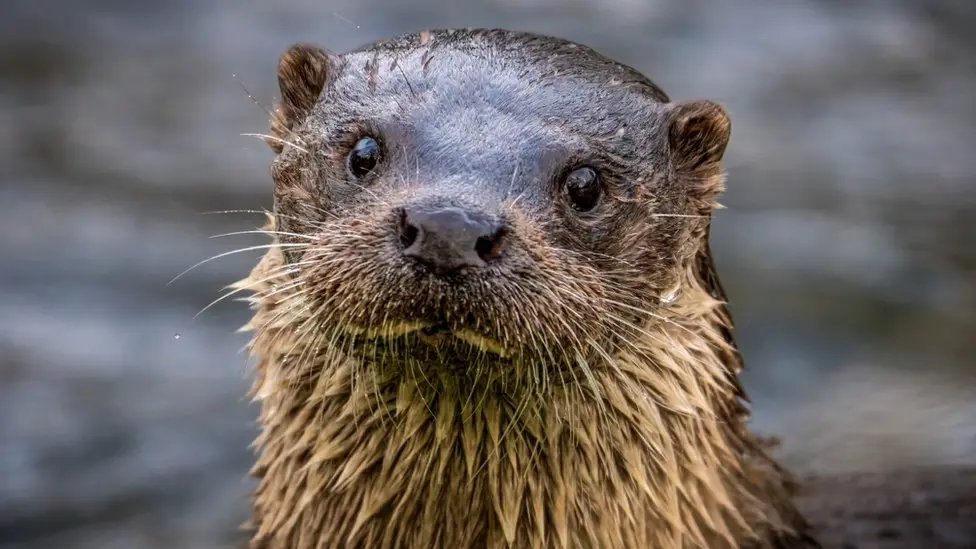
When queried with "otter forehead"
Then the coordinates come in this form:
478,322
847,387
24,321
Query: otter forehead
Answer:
482,111
537,61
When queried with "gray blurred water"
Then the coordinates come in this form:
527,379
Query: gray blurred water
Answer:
848,245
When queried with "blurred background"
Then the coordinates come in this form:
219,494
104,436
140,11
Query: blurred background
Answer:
848,247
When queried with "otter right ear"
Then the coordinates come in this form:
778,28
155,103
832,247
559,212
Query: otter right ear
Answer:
698,133
303,70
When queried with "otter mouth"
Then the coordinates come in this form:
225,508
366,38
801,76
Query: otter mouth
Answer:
436,335
435,329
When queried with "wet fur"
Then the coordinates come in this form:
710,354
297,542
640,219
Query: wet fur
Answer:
580,405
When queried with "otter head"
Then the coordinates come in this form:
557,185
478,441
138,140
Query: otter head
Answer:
490,317
446,211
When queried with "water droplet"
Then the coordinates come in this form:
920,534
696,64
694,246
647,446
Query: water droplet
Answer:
670,297
176,335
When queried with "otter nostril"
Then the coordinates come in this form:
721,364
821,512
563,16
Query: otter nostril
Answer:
448,238
490,247
408,231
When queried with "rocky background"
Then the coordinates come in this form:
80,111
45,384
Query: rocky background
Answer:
848,245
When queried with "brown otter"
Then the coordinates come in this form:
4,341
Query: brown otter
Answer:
491,317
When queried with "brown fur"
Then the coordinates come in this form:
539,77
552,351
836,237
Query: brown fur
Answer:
592,404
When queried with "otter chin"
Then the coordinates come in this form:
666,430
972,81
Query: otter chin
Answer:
490,317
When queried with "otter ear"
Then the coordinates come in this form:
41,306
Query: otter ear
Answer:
698,132
303,70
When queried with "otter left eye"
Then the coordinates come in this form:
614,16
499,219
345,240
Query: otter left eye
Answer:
583,186
363,157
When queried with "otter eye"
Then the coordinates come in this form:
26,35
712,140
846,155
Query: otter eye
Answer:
583,187
363,158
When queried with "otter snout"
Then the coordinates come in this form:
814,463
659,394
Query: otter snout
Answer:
449,238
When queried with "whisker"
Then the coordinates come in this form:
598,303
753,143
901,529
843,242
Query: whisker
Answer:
511,185
265,232
261,212
652,314
689,216
237,251
236,291
260,106
368,191
250,96
515,201
274,215
276,139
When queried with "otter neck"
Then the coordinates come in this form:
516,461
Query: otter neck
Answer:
656,456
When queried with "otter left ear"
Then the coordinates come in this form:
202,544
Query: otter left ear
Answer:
698,132
303,70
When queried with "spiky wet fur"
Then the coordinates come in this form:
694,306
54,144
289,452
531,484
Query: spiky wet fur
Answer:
354,457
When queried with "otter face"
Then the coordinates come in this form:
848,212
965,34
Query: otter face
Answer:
468,206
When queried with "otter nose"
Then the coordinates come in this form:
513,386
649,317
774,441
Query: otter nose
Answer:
449,238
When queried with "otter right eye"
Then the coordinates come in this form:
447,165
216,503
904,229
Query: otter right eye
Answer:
363,158
583,187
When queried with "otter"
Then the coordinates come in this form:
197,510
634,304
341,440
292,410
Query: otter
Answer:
490,315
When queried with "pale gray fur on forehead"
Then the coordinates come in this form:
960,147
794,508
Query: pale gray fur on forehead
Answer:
589,98
531,54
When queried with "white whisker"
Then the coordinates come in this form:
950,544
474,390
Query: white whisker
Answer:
232,252
275,139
